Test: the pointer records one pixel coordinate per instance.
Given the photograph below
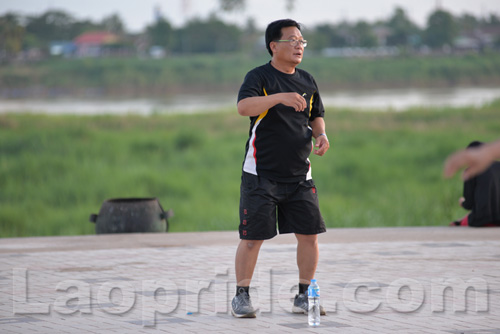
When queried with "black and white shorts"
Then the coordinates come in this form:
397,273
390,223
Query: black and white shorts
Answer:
264,202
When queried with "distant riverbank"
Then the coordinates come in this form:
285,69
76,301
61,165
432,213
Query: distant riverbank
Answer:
134,78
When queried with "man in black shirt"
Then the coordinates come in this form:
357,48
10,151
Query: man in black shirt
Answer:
482,196
286,112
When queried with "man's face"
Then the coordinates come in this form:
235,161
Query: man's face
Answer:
285,51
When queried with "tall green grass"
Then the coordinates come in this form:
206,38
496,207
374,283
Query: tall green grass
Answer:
383,168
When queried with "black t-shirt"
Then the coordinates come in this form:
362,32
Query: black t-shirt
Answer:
280,139
482,197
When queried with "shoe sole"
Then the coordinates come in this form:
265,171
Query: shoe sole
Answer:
298,310
247,315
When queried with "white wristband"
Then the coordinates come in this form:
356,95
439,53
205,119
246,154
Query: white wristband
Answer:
322,134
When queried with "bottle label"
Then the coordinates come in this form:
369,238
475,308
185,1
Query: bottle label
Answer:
313,292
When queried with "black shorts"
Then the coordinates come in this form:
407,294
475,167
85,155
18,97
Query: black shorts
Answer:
294,205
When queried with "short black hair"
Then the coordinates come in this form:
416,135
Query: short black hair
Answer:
273,31
475,143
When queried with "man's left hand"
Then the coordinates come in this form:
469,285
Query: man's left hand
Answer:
322,145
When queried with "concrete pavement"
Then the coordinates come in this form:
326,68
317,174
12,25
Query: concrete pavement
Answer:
384,280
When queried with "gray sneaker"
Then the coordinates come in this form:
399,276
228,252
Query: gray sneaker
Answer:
301,305
241,306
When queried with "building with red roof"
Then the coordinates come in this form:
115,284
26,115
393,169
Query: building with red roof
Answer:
92,44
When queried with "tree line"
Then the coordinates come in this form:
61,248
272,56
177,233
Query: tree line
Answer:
211,35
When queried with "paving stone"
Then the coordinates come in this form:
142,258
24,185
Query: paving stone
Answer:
407,280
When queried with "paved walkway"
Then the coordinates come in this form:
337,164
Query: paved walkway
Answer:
388,280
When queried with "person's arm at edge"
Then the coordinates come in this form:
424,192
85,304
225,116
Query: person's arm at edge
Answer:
476,159
319,134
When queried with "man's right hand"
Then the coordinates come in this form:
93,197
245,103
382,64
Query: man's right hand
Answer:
294,100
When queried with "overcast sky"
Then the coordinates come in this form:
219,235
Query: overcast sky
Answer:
138,14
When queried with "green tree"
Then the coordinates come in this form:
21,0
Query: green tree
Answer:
494,20
250,40
161,33
51,26
114,24
467,23
364,35
11,34
208,36
79,27
402,28
325,36
318,38
441,29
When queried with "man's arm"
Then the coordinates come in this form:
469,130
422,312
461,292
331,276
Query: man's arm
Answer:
476,159
256,105
319,133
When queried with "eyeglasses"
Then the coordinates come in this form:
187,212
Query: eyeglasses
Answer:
294,42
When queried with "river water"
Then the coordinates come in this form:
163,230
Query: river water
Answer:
367,100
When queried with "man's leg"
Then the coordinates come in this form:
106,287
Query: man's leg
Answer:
246,259
307,256
307,261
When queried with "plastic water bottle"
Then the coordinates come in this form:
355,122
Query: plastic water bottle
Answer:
313,298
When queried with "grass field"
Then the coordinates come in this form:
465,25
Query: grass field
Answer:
383,168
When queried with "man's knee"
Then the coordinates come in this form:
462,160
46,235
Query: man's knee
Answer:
307,239
251,244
